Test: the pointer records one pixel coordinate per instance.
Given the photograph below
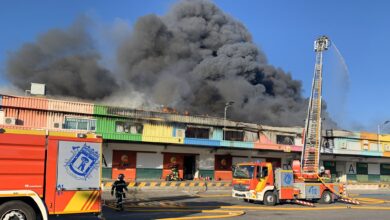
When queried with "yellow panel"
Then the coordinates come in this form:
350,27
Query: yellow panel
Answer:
159,133
385,137
24,131
69,134
77,202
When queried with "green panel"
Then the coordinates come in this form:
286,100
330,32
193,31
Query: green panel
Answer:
374,178
385,169
106,173
122,136
351,177
100,110
362,168
148,173
385,178
206,173
105,125
362,178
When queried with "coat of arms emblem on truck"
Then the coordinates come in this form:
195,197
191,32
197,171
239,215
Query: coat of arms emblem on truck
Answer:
83,161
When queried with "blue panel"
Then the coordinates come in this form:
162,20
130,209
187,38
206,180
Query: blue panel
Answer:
312,191
174,132
217,134
238,144
202,142
1,101
371,153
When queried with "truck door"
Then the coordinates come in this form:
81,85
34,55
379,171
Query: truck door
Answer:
78,177
262,176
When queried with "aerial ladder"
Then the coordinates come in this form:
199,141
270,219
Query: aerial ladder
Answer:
312,138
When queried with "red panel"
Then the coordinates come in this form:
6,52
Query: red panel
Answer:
62,200
22,162
223,175
25,182
223,167
170,159
51,173
223,163
124,162
286,193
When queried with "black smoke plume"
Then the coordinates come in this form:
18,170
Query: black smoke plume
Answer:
65,60
195,58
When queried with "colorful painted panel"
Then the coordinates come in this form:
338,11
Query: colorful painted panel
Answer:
159,133
238,144
25,102
201,142
223,167
69,106
124,162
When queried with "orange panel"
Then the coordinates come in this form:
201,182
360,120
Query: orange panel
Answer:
286,193
170,159
223,175
223,167
22,162
77,202
70,106
124,162
25,102
386,154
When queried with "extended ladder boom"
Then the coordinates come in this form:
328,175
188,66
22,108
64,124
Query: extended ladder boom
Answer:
311,148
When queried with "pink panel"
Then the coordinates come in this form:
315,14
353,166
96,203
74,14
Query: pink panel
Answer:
69,106
25,102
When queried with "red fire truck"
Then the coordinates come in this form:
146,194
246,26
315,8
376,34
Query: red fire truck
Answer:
261,182
48,172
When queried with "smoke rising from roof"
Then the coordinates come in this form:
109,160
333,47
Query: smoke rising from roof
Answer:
65,60
195,58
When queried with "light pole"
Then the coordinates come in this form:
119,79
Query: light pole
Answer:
227,105
379,131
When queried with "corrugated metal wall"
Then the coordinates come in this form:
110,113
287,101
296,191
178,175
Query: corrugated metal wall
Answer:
25,102
28,117
68,106
159,132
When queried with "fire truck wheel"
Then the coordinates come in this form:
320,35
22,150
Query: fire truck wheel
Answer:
269,198
326,198
17,210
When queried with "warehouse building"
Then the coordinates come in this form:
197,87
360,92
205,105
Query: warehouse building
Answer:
145,144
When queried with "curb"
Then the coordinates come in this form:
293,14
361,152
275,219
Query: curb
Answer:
171,184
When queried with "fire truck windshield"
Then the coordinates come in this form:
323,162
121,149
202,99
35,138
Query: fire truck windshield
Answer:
243,172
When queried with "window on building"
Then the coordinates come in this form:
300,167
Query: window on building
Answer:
128,127
234,135
198,132
251,136
87,124
285,139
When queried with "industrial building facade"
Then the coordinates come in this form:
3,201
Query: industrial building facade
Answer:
145,144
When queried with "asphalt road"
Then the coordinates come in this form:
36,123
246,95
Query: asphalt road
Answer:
158,205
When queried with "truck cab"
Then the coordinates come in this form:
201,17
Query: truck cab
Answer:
254,181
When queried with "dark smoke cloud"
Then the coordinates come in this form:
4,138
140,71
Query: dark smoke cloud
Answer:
195,58
65,60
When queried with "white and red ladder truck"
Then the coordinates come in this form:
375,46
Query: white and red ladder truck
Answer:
259,181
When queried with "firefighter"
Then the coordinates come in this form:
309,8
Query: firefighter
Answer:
119,186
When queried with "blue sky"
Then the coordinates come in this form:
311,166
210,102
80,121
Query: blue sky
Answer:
283,29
